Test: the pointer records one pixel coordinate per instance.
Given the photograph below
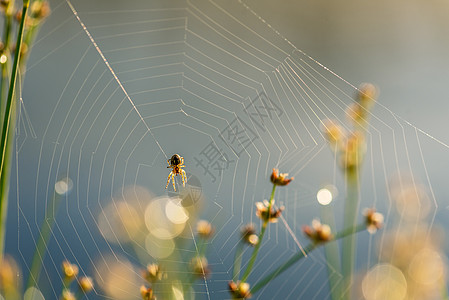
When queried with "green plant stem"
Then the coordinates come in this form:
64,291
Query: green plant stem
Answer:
332,253
299,255
261,234
4,185
3,87
12,85
79,294
8,131
349,245
7,28
237,261
44,237
200,251
66,283
444,294
202,247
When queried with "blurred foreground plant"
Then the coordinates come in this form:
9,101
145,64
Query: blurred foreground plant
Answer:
28,25
28,19
168,243
412,263
318,234
11,285
350,149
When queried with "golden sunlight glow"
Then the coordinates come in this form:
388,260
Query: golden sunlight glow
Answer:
3,59
411,198
165,218
119,222
427,267
384,282
176,213
118,278
159,248
122,220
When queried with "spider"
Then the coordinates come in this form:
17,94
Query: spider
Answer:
176,162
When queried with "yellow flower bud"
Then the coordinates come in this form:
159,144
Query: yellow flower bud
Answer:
70,270
204,229
86,284
366,95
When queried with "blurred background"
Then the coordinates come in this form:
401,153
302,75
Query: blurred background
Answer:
106,105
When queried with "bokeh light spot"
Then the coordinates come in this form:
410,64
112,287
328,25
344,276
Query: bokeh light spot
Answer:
324,196
119,222
163,222
176,213
63,186
159,248
427,267
118,278
384,282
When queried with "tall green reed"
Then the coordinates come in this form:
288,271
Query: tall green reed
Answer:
8,130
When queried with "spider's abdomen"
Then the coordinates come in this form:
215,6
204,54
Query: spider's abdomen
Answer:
175,160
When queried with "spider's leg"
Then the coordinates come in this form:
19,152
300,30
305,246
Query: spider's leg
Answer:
183,177
169,165
173,180
168,179
182,160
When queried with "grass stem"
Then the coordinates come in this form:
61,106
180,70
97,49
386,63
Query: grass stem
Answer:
44,237
8,128
299,255
237,261
349,243
261,235
332,254
444,294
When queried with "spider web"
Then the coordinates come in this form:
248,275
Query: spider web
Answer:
112,91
